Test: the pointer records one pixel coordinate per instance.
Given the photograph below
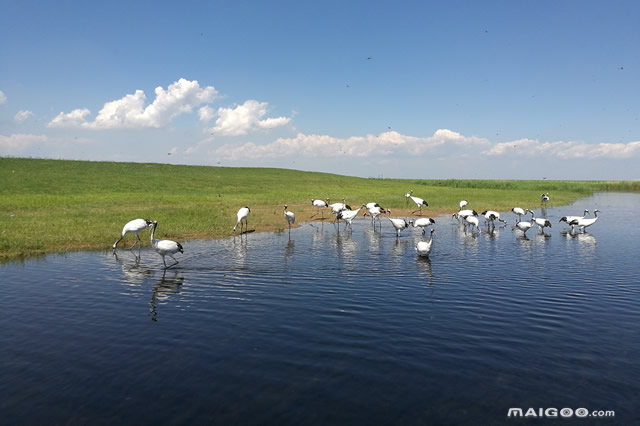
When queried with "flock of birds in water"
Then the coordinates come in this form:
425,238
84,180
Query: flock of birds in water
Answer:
344,212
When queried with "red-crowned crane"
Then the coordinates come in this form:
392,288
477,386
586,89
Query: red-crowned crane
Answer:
423,222
398,224
319,204
490,216
349,215
525,226
419,202
242,219
545,198
570,219
540,221
585,222
289,216
165,247
134,226
519,212
423,248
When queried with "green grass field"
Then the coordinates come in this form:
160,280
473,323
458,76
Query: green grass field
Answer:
58,205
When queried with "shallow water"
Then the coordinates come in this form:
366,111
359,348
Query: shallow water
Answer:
331,326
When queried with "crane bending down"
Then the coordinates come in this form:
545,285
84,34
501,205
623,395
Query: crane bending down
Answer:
540,221
242,217
424,247
419,202
398,224
490,216
165,247
134,226
291,218
525,226
423,222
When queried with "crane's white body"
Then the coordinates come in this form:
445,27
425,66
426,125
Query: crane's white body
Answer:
540,221
490,216
585,222
462,214
570,219
525,226
319,204
337,208
463,204
519,212
418,201
398,224
472,221
545,198
349,215
423,248
423,222
289,216
242,219
165,247
375,211
134,226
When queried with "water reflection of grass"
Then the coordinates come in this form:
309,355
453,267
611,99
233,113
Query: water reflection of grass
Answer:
56,205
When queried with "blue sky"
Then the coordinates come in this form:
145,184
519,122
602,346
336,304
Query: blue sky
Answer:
515,90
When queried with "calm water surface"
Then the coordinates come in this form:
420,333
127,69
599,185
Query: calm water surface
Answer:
332,327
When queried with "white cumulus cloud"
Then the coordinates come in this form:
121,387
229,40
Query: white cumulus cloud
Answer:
564,150
356,146
206,113
243,118
3,97
180,97
22,116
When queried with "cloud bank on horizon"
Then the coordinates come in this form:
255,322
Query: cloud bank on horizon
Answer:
225,134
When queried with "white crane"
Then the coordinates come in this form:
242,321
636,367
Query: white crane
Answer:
291,218
462,214
463,204
585,222
472,221
545,198
570,219
419,202
134,226
423,222
525,226
398,224
349,215
540,221
424,247
319,204
490,216
242,218
519,212
165,247
375,211
337,208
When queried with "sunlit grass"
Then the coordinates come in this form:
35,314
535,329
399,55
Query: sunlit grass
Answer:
57,205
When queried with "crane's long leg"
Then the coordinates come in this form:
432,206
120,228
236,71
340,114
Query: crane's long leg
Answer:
171,266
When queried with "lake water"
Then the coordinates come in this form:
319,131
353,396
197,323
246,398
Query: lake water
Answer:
331,327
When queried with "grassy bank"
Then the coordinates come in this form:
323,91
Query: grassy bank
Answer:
57,205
